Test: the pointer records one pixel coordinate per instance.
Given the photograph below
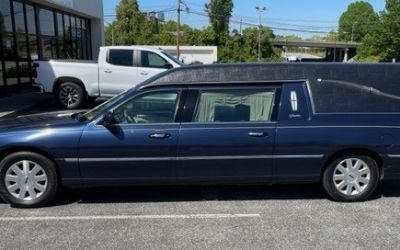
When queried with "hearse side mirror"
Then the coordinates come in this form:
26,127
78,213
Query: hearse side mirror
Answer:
108,119
168,65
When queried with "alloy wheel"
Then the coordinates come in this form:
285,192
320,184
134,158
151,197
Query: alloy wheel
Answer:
351,176
68,96
26,180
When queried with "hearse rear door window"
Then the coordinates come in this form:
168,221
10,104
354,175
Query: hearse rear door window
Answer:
235,105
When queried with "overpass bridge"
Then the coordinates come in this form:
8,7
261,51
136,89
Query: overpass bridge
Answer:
335,51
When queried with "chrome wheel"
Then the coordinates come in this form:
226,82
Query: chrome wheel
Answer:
26,180
351,176
68,96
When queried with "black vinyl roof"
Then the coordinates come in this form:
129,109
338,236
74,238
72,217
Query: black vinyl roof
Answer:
335,87
364,74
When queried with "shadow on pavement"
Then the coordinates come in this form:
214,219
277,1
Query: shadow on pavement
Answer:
190,193
142,194
206,193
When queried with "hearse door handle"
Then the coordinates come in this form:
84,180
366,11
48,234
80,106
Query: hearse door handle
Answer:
159,135
258,134
108,71
144,73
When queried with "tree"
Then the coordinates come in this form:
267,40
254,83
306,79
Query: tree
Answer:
220,12
332,36
383,42
130,25
108,34
249,46
367,50
315,38
206,36
167,35
355,23
289,38
389,31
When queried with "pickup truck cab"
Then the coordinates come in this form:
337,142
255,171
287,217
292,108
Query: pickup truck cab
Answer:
218,124
118,68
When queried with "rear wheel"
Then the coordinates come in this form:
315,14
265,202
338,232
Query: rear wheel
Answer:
27,180
70,95
351,178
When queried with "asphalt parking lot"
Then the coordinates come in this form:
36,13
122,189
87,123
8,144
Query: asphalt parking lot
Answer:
204,217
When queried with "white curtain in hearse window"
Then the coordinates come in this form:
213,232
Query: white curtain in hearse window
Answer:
235,105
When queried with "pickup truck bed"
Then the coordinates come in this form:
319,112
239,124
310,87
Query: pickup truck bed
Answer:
74,61
117,69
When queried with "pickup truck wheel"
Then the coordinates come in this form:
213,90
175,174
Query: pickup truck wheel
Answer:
71,95
27,180
351,178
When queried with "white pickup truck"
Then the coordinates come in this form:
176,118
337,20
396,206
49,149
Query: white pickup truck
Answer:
118,68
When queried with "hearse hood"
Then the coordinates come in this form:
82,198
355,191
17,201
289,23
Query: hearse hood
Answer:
44,120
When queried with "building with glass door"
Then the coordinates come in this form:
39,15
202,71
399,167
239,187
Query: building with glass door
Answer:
45,29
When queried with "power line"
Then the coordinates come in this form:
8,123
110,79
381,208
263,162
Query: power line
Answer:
242,21
245,23
291,20
159,11
271,27
238,18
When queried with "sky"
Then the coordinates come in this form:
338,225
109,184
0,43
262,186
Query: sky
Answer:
304,18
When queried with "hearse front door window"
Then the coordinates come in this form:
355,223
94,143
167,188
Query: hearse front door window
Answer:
235,105
155,107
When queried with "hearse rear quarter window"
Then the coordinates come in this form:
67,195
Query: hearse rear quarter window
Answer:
235,105
337,97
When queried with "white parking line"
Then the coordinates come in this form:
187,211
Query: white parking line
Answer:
129,217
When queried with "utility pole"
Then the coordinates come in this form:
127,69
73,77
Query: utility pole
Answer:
112,35
352,31
260,11
240,27
178,28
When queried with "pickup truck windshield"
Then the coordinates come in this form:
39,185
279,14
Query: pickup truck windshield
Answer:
172,58
90,115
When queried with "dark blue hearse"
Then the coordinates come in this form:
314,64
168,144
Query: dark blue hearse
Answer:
248,123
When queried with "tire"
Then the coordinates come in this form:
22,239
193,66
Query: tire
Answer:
71,95
92,102
351,178
35,189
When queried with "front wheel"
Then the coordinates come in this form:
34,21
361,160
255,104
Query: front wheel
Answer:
351,178
27,180
71,95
